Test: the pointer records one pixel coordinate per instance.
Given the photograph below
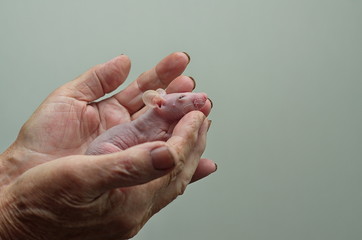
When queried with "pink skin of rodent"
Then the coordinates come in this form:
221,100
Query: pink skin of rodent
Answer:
157,123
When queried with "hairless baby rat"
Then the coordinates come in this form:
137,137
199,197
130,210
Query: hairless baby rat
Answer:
155,124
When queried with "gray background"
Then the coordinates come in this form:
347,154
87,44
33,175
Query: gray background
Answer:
285,77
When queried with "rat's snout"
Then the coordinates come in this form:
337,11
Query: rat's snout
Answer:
200,100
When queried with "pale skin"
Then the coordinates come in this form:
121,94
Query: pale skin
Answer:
50,190
165,110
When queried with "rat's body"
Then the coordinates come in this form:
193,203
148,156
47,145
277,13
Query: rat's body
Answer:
155,124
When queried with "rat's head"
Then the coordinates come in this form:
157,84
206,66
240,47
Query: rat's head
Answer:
174,105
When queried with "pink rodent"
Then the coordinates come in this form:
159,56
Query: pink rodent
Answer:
157,123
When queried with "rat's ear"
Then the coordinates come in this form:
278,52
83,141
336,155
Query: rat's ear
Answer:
161,91
152,98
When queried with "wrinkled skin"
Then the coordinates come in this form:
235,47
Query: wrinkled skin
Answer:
49,190
156,124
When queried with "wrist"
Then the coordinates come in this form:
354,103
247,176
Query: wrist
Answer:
5,200
9,165
8,231
4,222
11,225
5,159
14,162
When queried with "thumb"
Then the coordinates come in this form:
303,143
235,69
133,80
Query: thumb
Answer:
85,177
98,80
136,165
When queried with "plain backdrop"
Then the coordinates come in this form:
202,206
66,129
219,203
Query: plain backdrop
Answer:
285,77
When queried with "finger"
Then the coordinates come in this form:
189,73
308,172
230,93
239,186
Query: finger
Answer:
99,80
187,143
186,133
204,169
179,84
85,177
158,77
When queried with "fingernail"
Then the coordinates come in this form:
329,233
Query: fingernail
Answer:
162,158
215,167
194,82
188,56
210,121
212,104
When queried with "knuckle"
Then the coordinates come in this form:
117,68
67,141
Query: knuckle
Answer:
126,169
181,159
181,188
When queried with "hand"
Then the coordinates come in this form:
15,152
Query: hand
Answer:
46,151
68,120
103,196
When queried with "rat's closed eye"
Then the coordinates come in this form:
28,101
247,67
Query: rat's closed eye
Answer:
181,97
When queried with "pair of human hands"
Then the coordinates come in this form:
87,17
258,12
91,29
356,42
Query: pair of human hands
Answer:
50,190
